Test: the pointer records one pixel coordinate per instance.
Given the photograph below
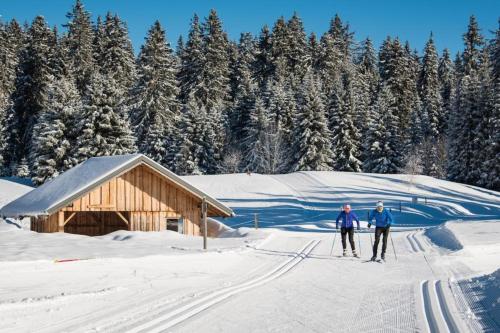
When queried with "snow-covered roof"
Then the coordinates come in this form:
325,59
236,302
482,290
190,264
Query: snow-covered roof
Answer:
72,184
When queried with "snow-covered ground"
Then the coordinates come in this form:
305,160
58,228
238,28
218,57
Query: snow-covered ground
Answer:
279,278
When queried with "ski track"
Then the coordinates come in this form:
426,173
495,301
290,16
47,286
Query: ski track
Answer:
436,311
419,245
429,314
161,318
414,249
445,310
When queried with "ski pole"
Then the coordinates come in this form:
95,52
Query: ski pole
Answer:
333,244
359,244
393,248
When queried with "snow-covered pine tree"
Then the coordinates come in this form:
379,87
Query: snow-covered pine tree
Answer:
191,60
429,90
53,133
490,176
398,68
244,86
263,61
365,86
279,48
186,158
298,58
430,109
384,153
446,76
11,40
254,141
282,107
463,120
336,44
103,125
115,56
312,138
484,117
345,136
30,95
79,41
155,109
213,90
314,50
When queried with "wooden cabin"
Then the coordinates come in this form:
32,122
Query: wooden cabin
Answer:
121,192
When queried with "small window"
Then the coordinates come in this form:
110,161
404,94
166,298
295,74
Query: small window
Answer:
175,225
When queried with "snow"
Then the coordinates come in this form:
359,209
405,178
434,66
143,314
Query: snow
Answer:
278,278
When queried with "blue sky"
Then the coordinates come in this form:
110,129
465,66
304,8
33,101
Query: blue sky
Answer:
410,20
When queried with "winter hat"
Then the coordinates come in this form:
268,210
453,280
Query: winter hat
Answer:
347,206
380,204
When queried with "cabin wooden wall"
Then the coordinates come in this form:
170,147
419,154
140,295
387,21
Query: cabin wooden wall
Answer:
145,198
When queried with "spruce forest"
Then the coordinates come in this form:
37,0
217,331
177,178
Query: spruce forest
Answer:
278,102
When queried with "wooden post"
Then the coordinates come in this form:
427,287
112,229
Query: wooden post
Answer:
60,221
256,221
204,221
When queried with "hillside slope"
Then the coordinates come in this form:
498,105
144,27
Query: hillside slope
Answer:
310,200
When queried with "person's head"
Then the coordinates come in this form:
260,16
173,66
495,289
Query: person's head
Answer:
347,208
380,206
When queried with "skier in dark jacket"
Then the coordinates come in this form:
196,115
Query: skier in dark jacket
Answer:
347,227
383,221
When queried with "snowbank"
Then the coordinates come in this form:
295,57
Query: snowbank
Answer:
444,237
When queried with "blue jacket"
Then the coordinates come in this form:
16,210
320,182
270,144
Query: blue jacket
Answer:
347,219
382,219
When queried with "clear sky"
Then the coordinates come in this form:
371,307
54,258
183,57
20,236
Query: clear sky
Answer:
411,20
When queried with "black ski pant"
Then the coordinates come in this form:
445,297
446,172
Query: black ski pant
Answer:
343,233
380,231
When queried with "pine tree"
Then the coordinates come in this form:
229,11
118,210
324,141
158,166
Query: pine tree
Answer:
429,90
115,56
446,76
186,159
336,45
192,61
282,108
263,61
11,41
345,137
31,94
365,86
384,154
255,153
467,110
213,91
311,148
79,41
298,58
103,125
53,134
155,108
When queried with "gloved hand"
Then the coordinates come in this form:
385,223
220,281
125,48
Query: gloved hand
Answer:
388,225
369,225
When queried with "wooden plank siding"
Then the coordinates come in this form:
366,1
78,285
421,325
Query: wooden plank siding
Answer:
142,195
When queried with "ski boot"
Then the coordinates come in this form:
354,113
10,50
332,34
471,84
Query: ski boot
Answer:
382,256
373,258
344,254
354,254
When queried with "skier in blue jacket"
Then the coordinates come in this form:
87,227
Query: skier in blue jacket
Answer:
347,227
383,221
